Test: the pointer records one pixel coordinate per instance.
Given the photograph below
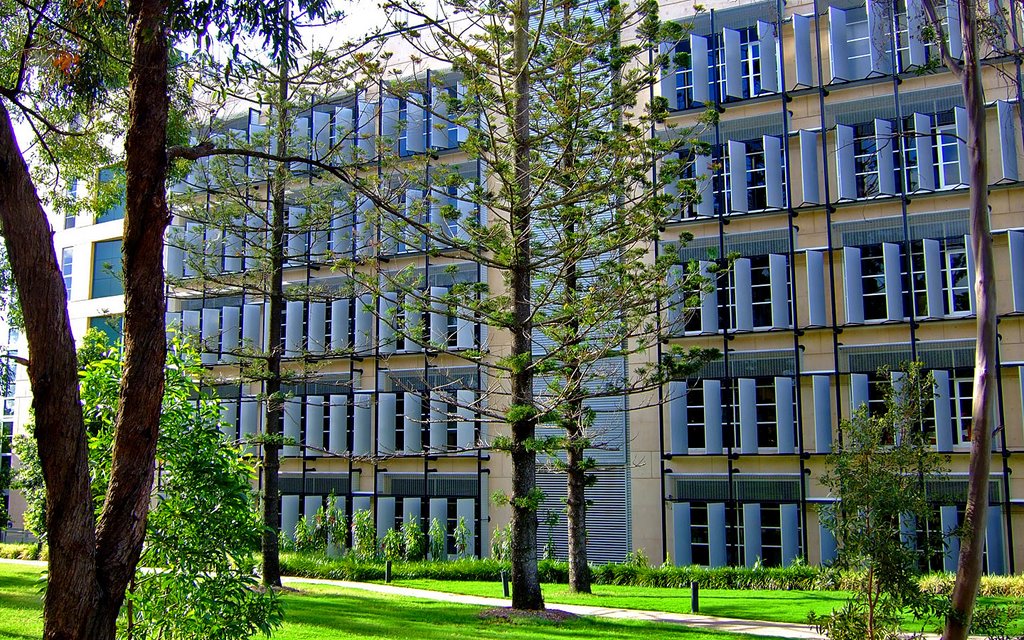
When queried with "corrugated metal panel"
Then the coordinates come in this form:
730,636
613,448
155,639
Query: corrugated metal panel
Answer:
867,359
746,488
954,354
752,364
733,17
936,100
449,379
460,485
938,224
954,490
317,483
609,527
745,128
745,244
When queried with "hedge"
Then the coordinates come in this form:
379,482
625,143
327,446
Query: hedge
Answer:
32,551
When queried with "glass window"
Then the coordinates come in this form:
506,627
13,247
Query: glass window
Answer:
771,535
872,273
761,291
695,415
947,151
66,263
113,326
700,539
111,194
106,269
961,398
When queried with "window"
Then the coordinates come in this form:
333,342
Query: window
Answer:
953,276
452,426
771,535
947,151
403,123
695,419
961,398
700,539
761,291
872,271
767,417
452,329
66,263
399,421
750,61
106,269
111,195
113,326
930,542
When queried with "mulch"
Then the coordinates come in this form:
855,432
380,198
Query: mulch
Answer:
508,614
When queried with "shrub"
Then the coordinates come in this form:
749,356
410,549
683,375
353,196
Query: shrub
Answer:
414,542
364,536
438,541
33,551
391,545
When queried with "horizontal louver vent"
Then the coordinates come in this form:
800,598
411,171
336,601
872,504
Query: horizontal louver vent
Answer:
751,365
954,491
868,359
937,225
316,484
705,488
448,485
937,100
449,380
609,528
955,354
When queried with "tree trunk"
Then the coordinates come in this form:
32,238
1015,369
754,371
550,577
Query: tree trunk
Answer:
525,579
972,544
275,314
576,509
53,373
89,570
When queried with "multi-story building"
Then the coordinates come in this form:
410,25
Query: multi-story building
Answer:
836,178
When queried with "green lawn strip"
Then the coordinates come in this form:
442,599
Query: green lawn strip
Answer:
773,606
319,612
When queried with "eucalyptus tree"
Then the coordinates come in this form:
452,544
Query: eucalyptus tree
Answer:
81,74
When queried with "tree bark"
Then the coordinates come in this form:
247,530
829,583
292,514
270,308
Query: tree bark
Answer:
73,592
271,544
972,543
90,567
576,510
526,592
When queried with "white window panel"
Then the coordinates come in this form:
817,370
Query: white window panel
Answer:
415,124
853,285
675,310
995,549
390,122
438,318
293,321
465,333
668,76
438,422
233,252
191,322
339,324
362,414
252,326
364,321
751,533
366,126
701,71
737,176
296,232
677,417
925,151
249,419
879,27
229,419
466,425
461,132
815,288
300,142
210,335
717,534
289,514
748,414
846,167
386,409
385,515
956,40
321,134
343,135
917,20
950,523
1006,113
778,269
859,391
709,301
439,512
822,391
969,247
784,414
413,329
775,194
175,254
314,425
704,174
960,118
768,47
884,146
386,322
744,299
439,118
316,341
1016,239
838,44
802,58
943,417
713,416
230,323
412,409
790,516
682,553
337,427
893,281
733,63
809,146
292,426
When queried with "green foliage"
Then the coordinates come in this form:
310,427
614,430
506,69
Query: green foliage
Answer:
876,474
391,545
463,539
501,543
28,480
438,540
414,542
202,530
364,535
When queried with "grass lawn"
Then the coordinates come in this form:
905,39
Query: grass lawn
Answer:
327,612
775,606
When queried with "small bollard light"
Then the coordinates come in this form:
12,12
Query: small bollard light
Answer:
387,572
504,583
694,597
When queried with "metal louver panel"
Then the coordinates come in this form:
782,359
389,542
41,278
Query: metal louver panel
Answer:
609,530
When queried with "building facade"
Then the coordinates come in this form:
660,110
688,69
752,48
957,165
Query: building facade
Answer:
836,178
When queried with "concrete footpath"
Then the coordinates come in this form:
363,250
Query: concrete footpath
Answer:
709,623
